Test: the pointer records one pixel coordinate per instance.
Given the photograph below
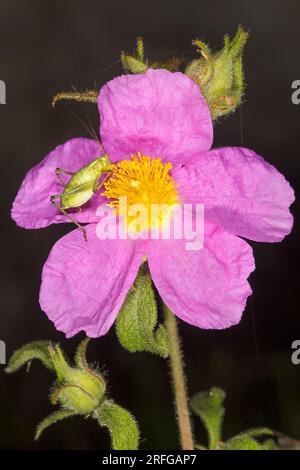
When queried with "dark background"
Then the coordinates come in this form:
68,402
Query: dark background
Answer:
251,361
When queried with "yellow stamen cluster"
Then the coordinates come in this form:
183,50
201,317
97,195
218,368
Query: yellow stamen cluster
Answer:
141,180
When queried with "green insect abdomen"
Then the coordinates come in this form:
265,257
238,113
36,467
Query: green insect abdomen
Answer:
80,188
88,174
76,197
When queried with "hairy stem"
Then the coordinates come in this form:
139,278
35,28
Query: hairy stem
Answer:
177,373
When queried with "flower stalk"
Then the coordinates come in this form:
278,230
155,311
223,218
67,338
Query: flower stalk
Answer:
179,382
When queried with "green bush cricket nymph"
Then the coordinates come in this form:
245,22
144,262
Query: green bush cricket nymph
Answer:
82,185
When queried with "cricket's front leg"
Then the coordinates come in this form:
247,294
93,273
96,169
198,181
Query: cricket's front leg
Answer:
59,172
97,185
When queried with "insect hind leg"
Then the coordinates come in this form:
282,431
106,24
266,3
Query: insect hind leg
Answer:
63,211
88,96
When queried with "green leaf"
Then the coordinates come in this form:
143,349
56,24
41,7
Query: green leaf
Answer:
60,363
122,426
248,440
238,45
270,444
35,350
199,447
243,443
52,419
136,323
257,432
209,407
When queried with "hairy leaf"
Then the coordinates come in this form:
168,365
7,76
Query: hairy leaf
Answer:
257,432
122,426
28,352
243,443
52,419
209,407
248,440
136,323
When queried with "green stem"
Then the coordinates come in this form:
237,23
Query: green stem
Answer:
177,372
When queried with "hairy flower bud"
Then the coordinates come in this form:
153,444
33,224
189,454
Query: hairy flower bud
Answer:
220,75
79,389
135,63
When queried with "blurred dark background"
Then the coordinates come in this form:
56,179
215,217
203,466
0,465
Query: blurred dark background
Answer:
251,361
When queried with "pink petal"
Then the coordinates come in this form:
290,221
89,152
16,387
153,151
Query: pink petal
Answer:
206,288
158,113
84,284
32,207
240,192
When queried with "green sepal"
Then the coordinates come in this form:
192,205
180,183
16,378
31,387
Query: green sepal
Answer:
61,365
80,355
52,419
140,48
133,64
136,323
209,407
122,426
28,352
201,70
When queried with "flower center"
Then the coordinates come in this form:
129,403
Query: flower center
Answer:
145,186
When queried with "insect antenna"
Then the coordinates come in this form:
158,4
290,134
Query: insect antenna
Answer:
254,332
86,127
100,71
89,126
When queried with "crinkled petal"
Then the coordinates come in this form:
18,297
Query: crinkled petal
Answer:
84,284
240,192
207,288
32,207
159,113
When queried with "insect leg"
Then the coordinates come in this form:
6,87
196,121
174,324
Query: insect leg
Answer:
97,185
56,196
59,172
88,96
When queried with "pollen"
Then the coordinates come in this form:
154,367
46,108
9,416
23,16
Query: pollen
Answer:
146,182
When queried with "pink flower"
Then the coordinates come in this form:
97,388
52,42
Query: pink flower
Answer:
159,114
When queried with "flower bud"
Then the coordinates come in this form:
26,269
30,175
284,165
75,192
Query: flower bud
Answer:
132,64
79,389
220,75
135,63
